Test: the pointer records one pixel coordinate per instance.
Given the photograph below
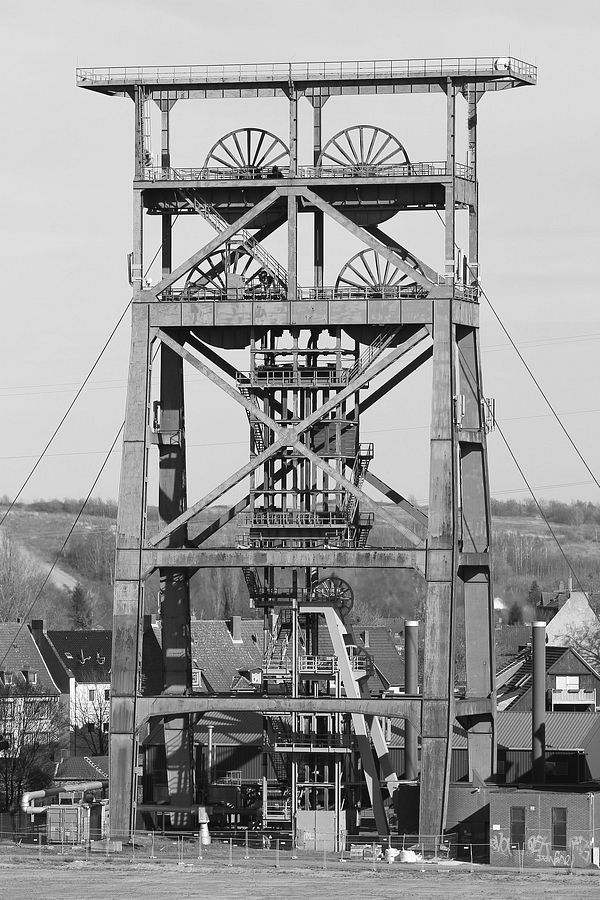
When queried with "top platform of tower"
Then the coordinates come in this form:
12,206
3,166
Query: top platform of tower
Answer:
487,73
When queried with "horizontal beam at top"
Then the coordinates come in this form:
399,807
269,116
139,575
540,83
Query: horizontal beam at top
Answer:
306,313
403,707
233,557
400,707
485,71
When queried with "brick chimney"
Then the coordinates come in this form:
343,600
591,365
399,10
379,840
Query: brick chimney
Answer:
235,627
38,630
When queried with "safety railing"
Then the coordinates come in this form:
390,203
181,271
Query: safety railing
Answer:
281,378
292,518
342,70
308,742
251,173
260,542
193,294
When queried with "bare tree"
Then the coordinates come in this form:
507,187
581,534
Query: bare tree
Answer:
20,579
586,640
32,727
90,715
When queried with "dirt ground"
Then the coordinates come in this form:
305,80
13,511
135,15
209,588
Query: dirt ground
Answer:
79,880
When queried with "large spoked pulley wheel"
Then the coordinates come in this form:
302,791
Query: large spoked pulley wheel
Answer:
254,149
363,145
336,591
211,273
368,270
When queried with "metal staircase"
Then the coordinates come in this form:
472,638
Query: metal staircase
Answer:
362,529
277,649
257,428
247,241
357,477
375,349
252,580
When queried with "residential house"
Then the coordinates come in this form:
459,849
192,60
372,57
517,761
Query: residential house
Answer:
566,613
571,682
80,663
30,711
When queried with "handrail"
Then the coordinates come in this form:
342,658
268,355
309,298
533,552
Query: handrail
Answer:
292,518
253,173
494,67
192,293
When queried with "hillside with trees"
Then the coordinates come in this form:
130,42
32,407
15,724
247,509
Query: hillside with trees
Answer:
79,593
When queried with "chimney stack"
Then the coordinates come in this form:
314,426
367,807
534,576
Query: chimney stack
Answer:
38,629
236,629
538,718
411,686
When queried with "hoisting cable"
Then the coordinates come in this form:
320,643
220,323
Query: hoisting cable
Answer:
68,410
540,389
473,385
64,543
527,368
78,394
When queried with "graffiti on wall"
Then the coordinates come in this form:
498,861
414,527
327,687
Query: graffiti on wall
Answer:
538,850
500,844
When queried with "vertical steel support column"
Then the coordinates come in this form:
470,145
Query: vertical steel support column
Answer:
411,686
476,516
538,719
128,597
472,100
172,501
128,606
319,216
292,203
438,674
475,536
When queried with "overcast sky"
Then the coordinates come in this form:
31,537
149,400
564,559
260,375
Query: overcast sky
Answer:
66,223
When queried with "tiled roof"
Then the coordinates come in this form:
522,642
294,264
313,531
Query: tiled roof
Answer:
521,670
20,653
381,647
220,659
86,653
82,768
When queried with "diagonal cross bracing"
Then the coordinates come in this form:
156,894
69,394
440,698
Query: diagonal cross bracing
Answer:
213,245
365,237
287,437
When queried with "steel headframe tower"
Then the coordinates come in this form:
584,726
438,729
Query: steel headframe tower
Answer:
302,395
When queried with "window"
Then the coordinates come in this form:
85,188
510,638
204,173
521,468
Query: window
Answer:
107,694
567,682
517,826
196,678
105,727
91,695
559,827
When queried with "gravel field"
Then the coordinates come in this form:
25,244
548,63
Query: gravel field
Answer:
79,880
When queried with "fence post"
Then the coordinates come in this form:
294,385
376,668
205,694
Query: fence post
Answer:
199,847
471,855
230,863
39,846
571,862
277,853
324,855
247,856
373,855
